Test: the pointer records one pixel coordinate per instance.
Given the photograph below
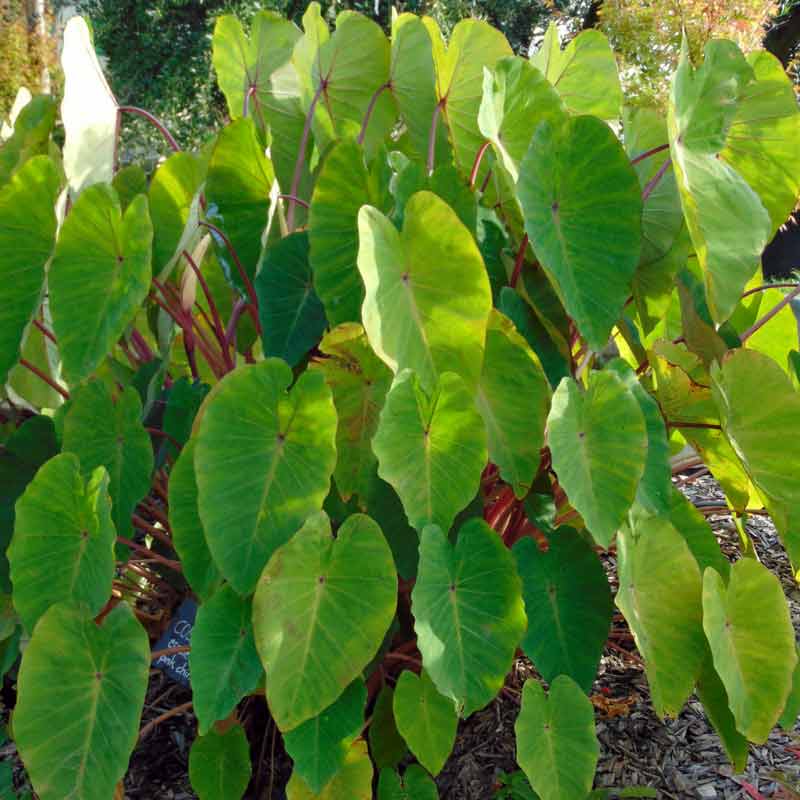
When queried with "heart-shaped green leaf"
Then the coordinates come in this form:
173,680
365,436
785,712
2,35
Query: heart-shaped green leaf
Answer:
748,627
263,462
763,139
413,79
320,745
219,764
412,317
353,64
568,603
188,536
103,433
728,224
353,781
584,73
238,184
516,98
223,661
556,744
359,382
292,317
513,399
590,266
431,449
63,544
587,433
415,784
27,234
758,425
425,719
88,111
468,611
257,77
99,276
660,596
80,694
312,586
473,45
342,187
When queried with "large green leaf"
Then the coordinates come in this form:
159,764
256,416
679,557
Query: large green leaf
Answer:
292,317
415,784
103,433
359,382
513,399
223,661
188,536
660,596
413,78
238,185
655,485
263,462
320,613
516,98
30,136
568,603
556,744
262,67
763,141
63,544
758,424
431,448
353,781
354,63
99,276
591,265
173,206
473,45
584,73
320,745
27,234
411,314
219,764
598,442
468,613
748,627
341,189
80,694
88,111
254,66
728,224
425,719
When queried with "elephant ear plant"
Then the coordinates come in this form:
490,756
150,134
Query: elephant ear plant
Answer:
391,378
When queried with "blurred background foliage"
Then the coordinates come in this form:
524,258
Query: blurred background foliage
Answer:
158,52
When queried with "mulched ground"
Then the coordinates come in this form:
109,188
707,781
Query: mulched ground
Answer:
680,758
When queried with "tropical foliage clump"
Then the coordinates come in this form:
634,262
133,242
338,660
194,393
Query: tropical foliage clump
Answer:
341,376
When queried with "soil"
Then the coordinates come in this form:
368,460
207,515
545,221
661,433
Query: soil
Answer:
680,758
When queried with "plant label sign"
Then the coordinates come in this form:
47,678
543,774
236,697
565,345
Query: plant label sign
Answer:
179,634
